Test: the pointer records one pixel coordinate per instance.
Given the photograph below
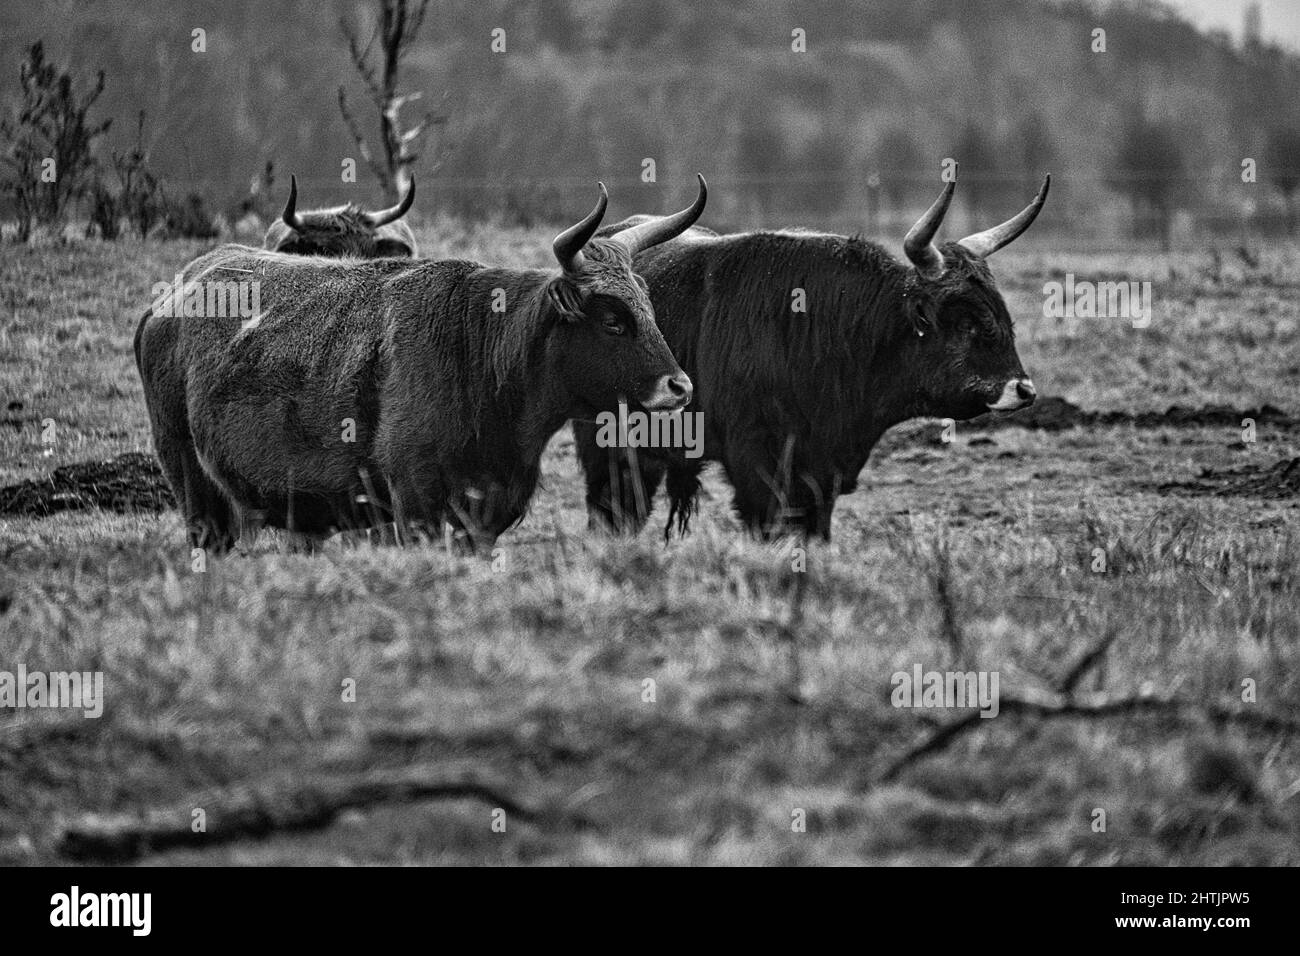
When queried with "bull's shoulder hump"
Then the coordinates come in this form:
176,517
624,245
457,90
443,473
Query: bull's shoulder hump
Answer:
792,233
452,263
429,275
442,269
225,253
267,263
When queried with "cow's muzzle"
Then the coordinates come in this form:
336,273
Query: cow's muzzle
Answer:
671,392
1016,393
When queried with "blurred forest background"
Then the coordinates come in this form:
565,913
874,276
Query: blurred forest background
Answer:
1146,139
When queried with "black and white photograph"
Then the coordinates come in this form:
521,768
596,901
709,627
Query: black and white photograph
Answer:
651,433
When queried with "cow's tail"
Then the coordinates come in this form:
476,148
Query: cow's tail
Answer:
683,487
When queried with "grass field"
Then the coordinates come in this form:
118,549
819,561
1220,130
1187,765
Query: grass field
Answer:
768,734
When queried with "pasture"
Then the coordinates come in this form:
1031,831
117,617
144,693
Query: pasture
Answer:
768,735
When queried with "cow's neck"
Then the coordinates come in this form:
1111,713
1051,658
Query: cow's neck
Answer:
885,385
534,406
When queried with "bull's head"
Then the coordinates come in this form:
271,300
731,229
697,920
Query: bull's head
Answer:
342,231
608,342
967,345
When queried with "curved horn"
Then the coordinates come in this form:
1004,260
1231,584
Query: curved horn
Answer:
662,228
384,216
290,214
568,244
991,240
919,243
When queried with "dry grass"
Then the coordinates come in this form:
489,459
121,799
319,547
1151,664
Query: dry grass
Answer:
532,670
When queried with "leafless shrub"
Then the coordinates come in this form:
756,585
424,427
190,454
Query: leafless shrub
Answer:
49,142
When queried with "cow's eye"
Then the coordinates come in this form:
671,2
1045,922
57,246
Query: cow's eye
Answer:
612,325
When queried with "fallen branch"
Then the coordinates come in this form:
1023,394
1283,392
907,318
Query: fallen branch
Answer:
253,812
1048,704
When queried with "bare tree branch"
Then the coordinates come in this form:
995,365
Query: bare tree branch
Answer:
361,61
397,31
380,171
417,21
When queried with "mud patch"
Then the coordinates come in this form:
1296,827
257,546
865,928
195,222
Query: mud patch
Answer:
134,481
129,482
1270,482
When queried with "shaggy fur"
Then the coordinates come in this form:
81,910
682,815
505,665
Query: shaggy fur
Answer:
793,402
451,400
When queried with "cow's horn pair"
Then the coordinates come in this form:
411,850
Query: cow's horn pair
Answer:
568,244
924,254
379,218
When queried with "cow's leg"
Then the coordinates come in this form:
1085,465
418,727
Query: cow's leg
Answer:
302,542
209,518
821,507
400,497
416,513
758,510
621,483
210,514
766,499
249,523
803,509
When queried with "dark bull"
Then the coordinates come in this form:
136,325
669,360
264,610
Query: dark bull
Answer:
792,402
343,230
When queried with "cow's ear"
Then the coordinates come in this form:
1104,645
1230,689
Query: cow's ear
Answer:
393,249
565,296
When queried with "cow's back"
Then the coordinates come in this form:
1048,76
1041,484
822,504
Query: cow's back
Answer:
288,403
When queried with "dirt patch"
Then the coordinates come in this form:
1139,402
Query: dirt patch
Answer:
129,482
1271,482
1056,414
134,482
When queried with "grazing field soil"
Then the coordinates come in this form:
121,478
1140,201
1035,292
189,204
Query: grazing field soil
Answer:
1130,575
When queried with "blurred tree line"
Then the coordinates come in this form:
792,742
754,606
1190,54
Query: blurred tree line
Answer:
536,101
